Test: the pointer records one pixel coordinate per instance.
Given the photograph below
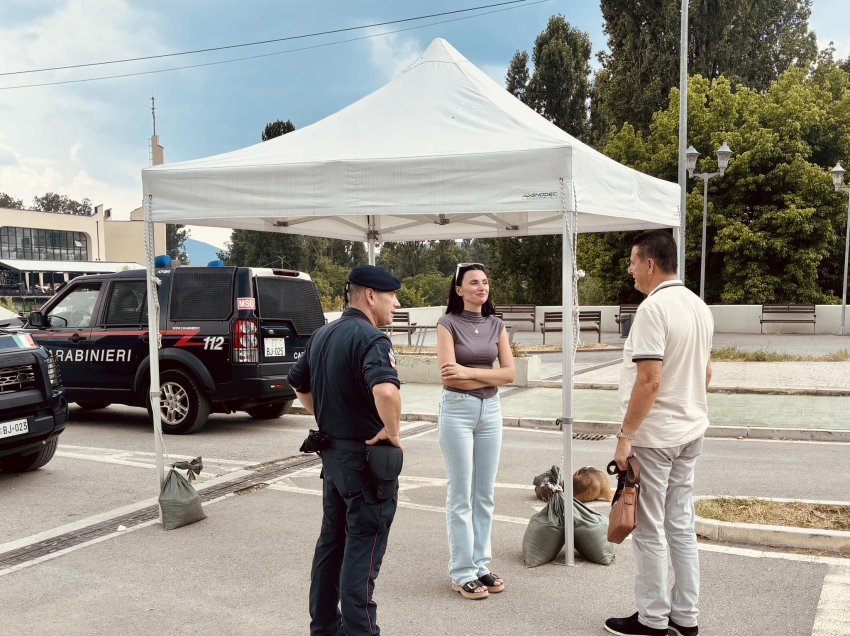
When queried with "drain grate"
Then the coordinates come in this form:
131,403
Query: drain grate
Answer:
264,472
590,437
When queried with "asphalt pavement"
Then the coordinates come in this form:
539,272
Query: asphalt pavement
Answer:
89,557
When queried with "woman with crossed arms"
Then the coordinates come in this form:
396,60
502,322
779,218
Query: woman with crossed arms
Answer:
469,339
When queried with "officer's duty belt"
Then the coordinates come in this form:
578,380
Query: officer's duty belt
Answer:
345,444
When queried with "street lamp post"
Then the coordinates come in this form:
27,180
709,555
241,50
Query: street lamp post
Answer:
723,155
837,180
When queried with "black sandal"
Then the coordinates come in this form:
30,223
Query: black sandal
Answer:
490,580
467,590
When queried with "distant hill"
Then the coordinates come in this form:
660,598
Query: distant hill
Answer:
200,253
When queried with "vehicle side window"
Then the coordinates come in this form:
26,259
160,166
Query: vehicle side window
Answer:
76,309
127,304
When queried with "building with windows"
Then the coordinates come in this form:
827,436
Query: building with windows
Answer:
40,251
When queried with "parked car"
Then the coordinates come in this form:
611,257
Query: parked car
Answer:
229,337
33,407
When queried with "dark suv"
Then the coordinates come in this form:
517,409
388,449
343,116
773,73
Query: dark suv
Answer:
33,409
229,337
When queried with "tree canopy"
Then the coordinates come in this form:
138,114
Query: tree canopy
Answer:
750,43
175,242
775,224
276,129
9,202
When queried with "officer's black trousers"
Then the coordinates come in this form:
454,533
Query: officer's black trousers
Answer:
351,546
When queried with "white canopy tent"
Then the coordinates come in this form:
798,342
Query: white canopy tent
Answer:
440,152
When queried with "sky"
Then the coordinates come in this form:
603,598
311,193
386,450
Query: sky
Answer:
90,139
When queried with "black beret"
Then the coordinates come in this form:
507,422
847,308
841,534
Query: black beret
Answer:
376,278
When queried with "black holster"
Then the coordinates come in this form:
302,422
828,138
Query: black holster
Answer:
385,461
315,442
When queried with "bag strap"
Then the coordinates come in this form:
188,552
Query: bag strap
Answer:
632,470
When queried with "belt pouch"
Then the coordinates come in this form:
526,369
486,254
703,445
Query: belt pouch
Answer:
385,461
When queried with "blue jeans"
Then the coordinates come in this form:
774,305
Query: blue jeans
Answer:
470,433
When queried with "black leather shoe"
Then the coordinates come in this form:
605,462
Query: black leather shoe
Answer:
682,631
631,626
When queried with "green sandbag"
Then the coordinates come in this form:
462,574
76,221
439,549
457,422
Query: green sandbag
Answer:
179,503
544,536
591,534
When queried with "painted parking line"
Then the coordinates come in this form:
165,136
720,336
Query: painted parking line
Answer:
213,467
832,617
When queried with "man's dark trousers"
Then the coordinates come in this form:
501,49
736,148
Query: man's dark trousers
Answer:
351,545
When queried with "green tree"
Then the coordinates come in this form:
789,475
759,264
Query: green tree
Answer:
330,279
430,289
407,258
60,203
750,43
517,77
526,270
10,203
248,248
560,85
775,225
175,242
276,129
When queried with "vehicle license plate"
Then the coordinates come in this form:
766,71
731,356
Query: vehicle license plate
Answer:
15,427
275,347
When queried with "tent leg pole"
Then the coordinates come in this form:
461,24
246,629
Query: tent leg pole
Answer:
567,382
153,350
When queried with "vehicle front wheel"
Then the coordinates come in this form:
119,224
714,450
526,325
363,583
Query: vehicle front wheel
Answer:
269,411
24,463
183,406
92,406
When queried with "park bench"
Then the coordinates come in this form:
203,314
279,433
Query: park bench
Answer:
778,313
516,313
588,321
626,312
401,324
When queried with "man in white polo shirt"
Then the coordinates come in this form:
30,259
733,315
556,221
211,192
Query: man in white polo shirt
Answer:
663,384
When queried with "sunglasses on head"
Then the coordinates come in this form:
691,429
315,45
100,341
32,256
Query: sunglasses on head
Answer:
461,266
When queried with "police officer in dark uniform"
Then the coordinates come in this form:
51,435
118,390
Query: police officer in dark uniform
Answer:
347,378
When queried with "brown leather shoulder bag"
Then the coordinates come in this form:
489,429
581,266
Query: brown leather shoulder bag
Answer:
623,516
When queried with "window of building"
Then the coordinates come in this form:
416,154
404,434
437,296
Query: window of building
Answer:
28,243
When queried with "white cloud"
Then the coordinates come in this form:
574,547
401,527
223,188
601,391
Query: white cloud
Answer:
61,138
74,155
8,155
828,21
394,53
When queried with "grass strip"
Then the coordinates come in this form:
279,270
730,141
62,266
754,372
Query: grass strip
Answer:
734,354
775,513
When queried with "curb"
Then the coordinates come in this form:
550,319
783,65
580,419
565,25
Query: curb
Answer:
722,389
611,428
774,536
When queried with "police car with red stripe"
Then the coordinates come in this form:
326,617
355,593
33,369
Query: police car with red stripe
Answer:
229,337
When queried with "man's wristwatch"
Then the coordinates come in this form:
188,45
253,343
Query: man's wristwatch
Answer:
626,436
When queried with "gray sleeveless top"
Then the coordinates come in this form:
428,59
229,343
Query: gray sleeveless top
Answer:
476,350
